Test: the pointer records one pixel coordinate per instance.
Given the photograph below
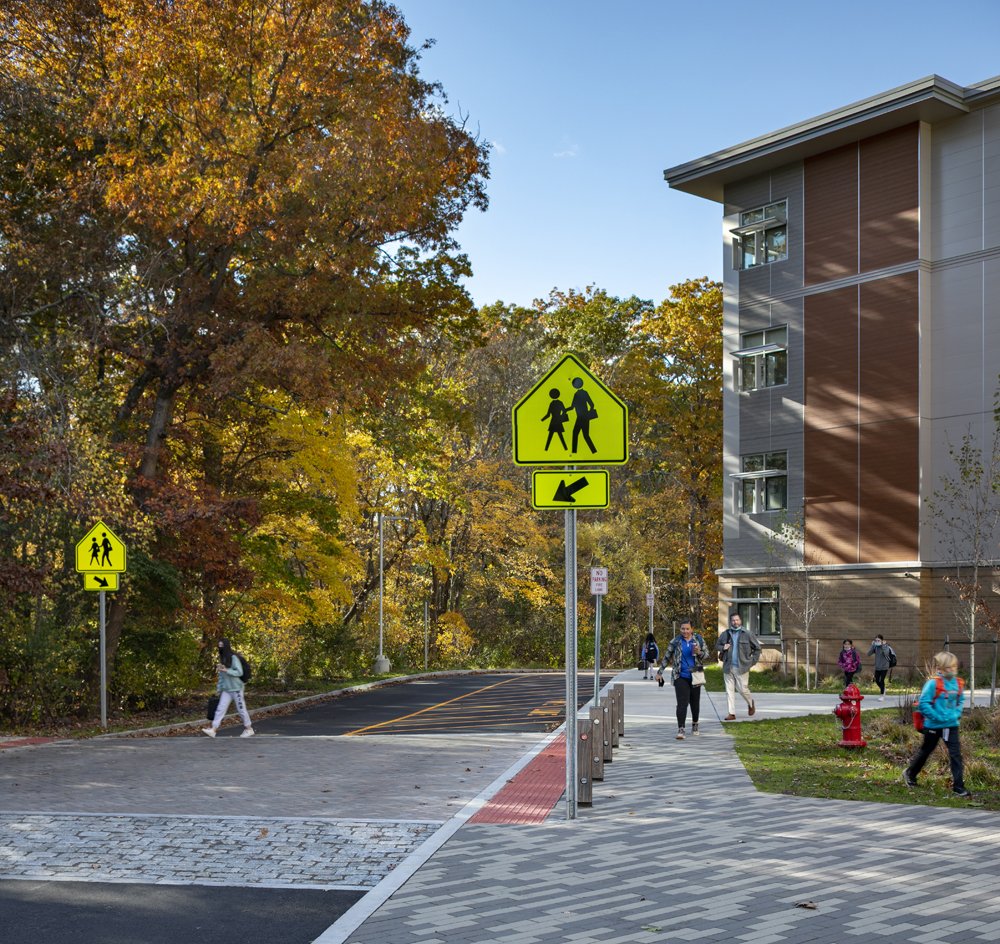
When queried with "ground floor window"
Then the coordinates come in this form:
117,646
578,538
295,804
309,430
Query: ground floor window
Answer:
758,607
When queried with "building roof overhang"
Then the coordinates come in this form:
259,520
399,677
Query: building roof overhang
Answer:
929,99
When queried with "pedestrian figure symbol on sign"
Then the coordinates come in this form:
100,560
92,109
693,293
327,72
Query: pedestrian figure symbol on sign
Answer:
95,551
557,416
585,412
105,550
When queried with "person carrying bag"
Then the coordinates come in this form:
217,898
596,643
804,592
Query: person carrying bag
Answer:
686,655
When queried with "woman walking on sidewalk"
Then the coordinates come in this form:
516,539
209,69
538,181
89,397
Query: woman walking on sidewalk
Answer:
686,655
941,706
230,688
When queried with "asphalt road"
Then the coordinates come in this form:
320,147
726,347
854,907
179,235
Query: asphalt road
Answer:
452,724
94,913
487,702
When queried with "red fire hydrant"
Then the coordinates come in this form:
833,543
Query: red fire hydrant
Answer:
849,713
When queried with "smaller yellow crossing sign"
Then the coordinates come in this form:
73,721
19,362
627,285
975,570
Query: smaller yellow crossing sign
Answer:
562,489
100,551
107,582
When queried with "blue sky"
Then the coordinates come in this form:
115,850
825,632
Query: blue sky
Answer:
586,103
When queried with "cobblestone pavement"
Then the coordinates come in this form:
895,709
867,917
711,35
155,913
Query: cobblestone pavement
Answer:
271,852
291,812
679,846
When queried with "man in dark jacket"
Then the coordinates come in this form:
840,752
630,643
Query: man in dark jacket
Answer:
738,650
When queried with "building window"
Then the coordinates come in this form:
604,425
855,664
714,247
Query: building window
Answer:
758,608
763,359
762,236
763,483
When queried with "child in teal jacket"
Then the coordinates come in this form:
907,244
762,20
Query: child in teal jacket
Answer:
942,713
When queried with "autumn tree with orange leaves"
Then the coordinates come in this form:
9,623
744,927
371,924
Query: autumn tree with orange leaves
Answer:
203,204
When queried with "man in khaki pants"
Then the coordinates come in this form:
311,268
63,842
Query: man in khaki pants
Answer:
739,650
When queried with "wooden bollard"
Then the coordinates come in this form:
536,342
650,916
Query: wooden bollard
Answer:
612,704
619,691
606,734
597,716
585,762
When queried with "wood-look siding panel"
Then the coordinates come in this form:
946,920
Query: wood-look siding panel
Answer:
889,198
831,358
889,354
830,215
889,490
831,495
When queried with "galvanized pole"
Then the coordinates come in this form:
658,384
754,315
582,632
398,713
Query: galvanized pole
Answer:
427,633
570,664
650,599
597,649
993,680
104,666
381,561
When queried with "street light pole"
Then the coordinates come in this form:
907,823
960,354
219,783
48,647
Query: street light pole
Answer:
382,664
650,599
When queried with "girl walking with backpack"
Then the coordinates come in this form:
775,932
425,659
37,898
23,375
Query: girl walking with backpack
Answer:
649,655
230,689
940,709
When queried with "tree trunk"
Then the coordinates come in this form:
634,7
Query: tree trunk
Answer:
156,434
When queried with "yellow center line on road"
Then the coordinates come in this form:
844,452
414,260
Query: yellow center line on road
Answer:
450,701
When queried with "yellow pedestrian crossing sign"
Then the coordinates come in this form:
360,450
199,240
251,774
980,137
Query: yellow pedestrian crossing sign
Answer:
570,418
100,551
563,489
92,581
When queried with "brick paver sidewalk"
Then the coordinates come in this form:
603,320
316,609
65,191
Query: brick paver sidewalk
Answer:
679,846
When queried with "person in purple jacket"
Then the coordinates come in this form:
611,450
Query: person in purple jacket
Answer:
849,661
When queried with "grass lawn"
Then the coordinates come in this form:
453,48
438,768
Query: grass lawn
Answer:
800,757
771,681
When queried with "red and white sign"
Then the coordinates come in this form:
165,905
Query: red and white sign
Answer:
598,581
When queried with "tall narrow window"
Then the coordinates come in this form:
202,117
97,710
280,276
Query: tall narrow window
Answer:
762,236
763,359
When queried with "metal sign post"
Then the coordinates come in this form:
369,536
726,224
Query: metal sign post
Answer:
101,556
104,665
599,436
598,587
570,664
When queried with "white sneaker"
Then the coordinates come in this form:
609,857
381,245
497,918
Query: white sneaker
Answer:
680,735
209,731
882,698
247,733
